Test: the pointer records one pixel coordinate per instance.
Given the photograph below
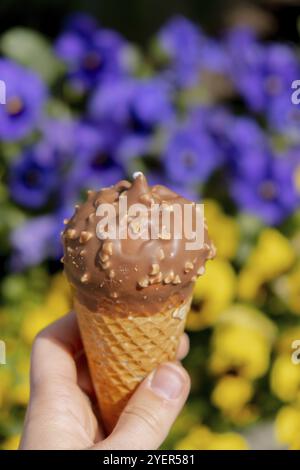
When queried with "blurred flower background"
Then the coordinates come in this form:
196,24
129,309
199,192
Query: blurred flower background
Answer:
208,114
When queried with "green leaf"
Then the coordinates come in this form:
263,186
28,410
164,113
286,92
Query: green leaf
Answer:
32,50
58,109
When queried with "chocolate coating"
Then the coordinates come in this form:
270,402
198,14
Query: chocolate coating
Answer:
133,276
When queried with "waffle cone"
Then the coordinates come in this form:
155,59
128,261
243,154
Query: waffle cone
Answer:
121,350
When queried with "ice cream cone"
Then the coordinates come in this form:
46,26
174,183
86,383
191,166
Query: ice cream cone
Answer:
131,293
123,350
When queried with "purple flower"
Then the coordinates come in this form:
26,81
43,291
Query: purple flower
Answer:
181,41
81,23
184,190
284,116
217,122
110,101
95,164
33,242
273,196
248,149
91,54
59,134
131,150
260,72
34,176
84,156
138,104
25,97
151,104
190,156
247,58
214,57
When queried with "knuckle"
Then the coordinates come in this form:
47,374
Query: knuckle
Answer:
146,417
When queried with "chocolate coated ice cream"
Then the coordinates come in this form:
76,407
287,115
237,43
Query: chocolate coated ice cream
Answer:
134,276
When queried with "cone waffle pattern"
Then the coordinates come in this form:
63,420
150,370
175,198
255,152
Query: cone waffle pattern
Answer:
122,350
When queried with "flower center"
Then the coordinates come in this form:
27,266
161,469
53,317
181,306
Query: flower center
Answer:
32,178
92,61
100,161
273,85
14,106
268,190
189,159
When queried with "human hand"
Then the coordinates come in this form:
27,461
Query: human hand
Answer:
63,413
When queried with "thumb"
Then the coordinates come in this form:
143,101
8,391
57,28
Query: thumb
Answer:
151,411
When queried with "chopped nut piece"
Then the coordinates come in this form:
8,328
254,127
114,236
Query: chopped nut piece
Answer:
201,271
85,278
144,282
105,265
164,235
85,236
157,278
169,278
154,269
212,252
71,233
188,266
103,257
135,227
111,274
176,280
108,248
146,198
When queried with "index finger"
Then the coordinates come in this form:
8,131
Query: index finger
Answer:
54,350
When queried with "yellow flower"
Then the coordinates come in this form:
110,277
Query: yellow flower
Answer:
56,304
20,391
293,290
284,342
272,256
285,378
11,443
228,441
213,293
232,393
202,438
227,239
287,425
58,299
34,322
5,383
244,416
198,438
242,340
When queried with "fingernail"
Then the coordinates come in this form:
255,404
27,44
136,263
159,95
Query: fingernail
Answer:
167,381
